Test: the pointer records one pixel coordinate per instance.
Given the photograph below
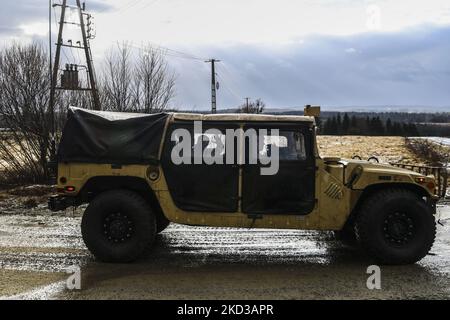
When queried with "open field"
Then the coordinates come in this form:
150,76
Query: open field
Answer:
386,149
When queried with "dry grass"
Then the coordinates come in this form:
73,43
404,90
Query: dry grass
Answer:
17,167
386,149
436,154
27,197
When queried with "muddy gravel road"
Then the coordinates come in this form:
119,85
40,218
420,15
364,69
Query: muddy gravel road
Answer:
36,248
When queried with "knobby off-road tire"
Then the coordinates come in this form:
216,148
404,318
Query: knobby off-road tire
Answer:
396,226
118,226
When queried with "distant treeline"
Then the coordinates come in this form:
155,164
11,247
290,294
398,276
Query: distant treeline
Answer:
382,123
374,126
408,117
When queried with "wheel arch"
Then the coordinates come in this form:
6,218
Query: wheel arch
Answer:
371,189
97,185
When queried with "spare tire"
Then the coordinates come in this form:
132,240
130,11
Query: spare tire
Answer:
118,226
396,226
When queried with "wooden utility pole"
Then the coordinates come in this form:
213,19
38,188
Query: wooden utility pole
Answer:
54,79
51,107
247,102
69,78
89,61
213,85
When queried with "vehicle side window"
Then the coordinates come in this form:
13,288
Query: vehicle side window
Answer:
291,145
205,147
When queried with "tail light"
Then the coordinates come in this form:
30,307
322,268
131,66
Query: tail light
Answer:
70,189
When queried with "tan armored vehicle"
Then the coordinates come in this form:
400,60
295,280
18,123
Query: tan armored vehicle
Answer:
140,172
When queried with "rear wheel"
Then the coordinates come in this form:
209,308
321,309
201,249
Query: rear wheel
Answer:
118,226
396,226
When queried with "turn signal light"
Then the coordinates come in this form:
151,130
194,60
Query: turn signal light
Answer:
420,180
431,186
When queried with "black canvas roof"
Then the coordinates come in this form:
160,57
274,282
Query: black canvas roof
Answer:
111,137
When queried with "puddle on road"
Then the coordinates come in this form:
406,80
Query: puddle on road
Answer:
213,262
22,284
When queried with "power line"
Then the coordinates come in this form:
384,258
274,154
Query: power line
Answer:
226,78
226,69
115,9
224,84
169,51
182,55
150,4
166,51
127,6
178,52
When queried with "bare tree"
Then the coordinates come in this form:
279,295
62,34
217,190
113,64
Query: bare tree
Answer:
81,99
24,107
154,83
117,86
256,107
143,83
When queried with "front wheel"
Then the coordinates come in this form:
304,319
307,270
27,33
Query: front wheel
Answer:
396,226
118,226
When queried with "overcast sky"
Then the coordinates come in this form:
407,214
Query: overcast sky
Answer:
287,52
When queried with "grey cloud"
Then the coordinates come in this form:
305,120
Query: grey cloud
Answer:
405,68
96,6
5,30
17,12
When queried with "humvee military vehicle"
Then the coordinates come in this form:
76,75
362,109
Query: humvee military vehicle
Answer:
136,178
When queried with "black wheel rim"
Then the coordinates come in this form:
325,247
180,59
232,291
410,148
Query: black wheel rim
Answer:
398,228
118,228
